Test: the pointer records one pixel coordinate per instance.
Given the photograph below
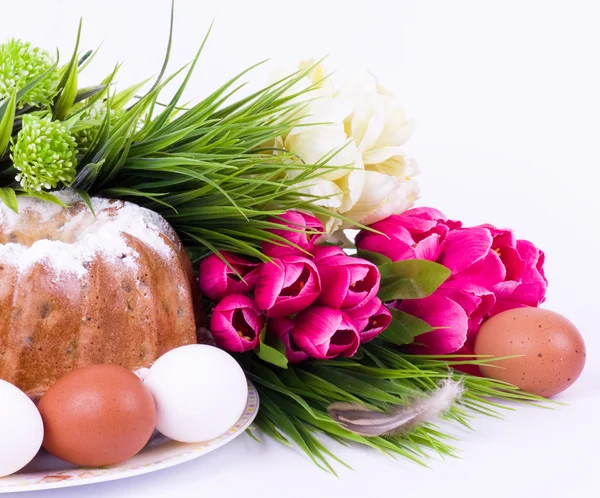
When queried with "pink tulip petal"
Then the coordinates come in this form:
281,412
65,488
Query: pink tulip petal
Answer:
287,285
504,290
397,243
236,323
347,281
534,260
302,231
530,288
321,252
515,266
336,282
290,306
283,328
502,305
477,302
217,279
426,213
324,333
445,314
213,277
370,319
462,248
486,272
345,341
269,284
428,248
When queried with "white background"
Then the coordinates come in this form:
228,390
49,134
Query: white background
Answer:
506,95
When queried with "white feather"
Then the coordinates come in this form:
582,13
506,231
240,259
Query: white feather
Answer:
400,419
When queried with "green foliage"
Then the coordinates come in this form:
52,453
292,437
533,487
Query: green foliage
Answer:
374,257
9,197
207,168
294,402
7,116
410,279
273,353
403,328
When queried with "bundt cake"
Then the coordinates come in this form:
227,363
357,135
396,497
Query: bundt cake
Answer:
79,287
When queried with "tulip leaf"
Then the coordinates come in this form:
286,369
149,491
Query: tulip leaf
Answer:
9,197
404,328
374,257
411,279
274,353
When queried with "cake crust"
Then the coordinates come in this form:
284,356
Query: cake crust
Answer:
77,290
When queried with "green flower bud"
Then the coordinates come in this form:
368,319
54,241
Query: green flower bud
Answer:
44,154
86,130
19,64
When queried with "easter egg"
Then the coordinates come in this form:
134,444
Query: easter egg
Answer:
200,392
97,415
550,349
21,429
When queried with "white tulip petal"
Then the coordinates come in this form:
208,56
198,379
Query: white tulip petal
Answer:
412,168
318,142
376,156
322,192
401,199
330,224
396,133
376,190
323,111
374,129
381,197
352,185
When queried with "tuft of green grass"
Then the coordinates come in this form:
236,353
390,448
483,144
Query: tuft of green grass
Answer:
294,401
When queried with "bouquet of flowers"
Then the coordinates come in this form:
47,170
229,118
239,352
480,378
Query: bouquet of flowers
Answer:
367,341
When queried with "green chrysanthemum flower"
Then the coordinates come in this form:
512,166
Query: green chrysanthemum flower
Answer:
93,119
44,154
19,64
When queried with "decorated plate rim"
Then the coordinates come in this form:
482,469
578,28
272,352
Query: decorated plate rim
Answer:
173,453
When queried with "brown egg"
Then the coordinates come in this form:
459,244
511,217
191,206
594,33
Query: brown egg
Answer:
97,415
552,349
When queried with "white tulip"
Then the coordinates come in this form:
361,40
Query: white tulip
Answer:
382,196
370,177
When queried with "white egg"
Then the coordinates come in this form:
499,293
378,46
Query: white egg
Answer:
21,429
200,392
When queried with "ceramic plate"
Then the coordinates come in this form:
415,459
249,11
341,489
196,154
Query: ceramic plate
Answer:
48,472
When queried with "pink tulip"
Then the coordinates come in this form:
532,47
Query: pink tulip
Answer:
217,279
283,328
301,230
324,333
236,323
477,302
287,285
347,282
370,319
443,313
322,252
416,234
525,283
491,271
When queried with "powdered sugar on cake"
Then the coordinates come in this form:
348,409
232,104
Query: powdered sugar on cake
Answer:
90,237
